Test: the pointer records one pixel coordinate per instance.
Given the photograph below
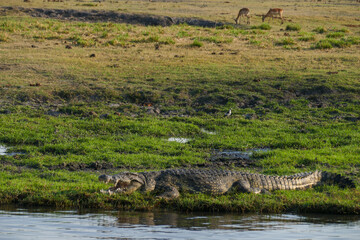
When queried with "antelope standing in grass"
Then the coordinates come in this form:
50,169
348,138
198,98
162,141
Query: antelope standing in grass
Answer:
274,12
243,12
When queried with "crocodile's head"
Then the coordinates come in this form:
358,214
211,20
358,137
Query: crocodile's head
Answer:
124,182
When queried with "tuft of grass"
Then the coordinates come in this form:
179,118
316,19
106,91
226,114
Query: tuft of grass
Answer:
335,35
83,42
255,42
196,43
307,38
330,43
215,39
320,30
293,27
151,39
167,40
353,40
89,5
182,34
226,26
263,26
4,37
286,41
344,30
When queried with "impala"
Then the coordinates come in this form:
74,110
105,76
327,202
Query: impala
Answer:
243,12
273,12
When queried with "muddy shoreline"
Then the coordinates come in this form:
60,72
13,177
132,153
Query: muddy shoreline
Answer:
110,16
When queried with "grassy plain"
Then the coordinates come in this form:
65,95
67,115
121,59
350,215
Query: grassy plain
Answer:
293,88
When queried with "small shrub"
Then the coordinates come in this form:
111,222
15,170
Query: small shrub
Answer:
320,30
335,35
264,26
197,43
286,41
293,27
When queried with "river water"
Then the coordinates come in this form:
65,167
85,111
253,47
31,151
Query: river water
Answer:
18,223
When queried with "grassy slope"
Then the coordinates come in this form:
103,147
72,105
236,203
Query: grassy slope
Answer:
303,103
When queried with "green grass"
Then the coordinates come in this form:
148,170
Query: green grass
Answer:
196,43
320,30
339,43
263,26
286,41
335,35
293,27
142,143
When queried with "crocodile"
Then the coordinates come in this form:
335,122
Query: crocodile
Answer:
169,183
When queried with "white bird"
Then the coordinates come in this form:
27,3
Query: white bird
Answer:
228,113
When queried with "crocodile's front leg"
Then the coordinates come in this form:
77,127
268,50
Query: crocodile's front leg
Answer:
109,191
127,188
169,192
244,186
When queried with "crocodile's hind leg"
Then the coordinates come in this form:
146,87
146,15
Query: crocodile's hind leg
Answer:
244,186
169,192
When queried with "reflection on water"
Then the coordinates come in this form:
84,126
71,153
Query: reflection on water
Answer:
46,224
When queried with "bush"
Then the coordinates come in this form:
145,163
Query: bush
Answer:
263,26
293,27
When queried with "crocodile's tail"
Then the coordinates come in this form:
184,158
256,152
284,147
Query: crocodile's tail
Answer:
335,179
306,180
